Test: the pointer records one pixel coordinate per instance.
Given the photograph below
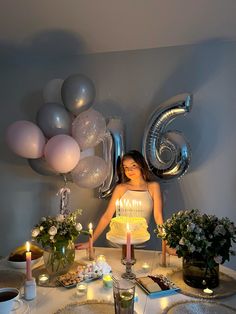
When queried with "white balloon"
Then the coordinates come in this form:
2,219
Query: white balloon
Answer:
89,128
62,153
87,152
52,91
90,172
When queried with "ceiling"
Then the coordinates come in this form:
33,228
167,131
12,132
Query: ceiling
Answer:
93,26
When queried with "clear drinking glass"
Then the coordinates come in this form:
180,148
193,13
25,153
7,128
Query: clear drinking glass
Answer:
123,291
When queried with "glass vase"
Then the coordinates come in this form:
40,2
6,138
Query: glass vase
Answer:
59,258
197,274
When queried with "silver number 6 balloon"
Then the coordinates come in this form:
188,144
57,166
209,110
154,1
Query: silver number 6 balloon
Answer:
167,152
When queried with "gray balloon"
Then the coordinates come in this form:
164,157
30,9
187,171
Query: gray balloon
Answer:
78,93
113,150
54,119
167,153
40,166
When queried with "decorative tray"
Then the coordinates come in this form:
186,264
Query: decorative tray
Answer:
157,286
86,274
70,280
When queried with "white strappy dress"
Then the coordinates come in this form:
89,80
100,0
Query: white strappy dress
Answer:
134,203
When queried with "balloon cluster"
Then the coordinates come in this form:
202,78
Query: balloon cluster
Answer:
66,129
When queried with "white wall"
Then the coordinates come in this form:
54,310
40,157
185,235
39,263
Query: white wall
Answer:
131,85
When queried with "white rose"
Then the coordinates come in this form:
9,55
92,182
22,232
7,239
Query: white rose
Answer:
78,227
52,231
218,259
35,232
60,218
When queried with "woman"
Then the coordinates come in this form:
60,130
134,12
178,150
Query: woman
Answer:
136,186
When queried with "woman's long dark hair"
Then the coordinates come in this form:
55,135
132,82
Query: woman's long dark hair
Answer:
139,159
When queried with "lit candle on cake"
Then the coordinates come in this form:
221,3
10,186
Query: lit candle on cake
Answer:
128,244
90,226
117,208
28,262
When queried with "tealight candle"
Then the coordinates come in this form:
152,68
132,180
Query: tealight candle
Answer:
145,266
208,291
43,279
107,281
81,289
101,258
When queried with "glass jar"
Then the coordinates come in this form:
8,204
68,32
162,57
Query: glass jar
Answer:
197,274
59,258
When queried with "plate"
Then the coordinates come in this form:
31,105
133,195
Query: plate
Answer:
11,278
74,284
23,309
157,286
200,307
88,307
22,265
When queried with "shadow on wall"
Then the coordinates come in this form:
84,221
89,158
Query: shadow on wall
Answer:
198,67
54,43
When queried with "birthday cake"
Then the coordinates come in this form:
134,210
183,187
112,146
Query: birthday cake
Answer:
119,226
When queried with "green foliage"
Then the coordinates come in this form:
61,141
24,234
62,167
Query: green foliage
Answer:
56,232
198,235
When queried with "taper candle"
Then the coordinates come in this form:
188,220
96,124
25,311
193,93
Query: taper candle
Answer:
28,262
90,226
163,256
128,244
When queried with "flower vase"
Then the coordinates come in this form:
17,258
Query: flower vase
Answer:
59,258
197,273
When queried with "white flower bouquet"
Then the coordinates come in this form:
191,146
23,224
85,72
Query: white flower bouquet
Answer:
58,231
198,235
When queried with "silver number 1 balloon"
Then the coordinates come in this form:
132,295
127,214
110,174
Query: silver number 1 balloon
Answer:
113,150
167,152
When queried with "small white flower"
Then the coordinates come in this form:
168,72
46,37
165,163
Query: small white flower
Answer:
78,227
181,241
51,237
60,218
35,232
52,231
218,259
43,219
41,228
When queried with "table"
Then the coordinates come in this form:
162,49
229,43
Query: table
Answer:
49,300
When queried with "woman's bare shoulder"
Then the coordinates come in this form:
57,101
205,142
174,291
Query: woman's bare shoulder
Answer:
121,188
153,185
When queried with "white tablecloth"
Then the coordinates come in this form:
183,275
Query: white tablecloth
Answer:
49,300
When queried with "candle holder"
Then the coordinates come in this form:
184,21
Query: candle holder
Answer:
128,270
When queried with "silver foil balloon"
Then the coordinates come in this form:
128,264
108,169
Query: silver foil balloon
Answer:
78,93
53,119
90,172
167,152
113,150
40,166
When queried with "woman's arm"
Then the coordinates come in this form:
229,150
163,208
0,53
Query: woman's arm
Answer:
158,212
106,217
157,202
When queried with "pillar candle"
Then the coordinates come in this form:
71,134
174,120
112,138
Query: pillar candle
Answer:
128,244
28,262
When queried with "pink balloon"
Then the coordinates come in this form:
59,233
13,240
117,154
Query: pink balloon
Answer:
25,139
62,153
